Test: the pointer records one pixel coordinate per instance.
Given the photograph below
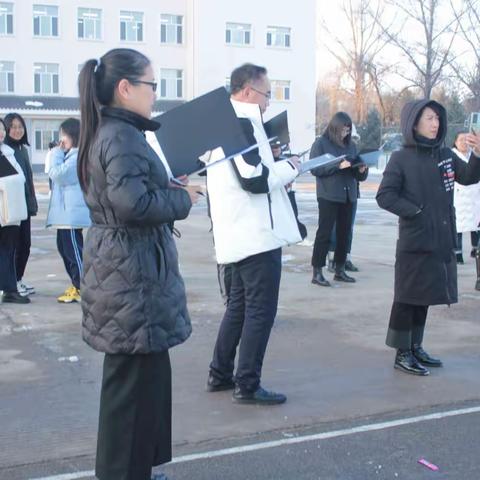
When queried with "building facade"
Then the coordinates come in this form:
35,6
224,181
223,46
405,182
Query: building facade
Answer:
193,44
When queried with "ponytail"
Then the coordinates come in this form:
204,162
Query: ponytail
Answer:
89,117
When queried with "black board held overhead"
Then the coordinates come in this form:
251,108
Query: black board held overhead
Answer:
205,123
278,127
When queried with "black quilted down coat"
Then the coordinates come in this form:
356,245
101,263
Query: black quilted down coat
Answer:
133,297
417,186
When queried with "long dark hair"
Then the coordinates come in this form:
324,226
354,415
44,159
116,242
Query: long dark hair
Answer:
8,121
71,127
96,83
335,127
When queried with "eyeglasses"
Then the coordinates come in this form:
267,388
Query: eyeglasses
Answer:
266,95
152,84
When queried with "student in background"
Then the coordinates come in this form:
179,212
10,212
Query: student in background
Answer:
18,140
67,211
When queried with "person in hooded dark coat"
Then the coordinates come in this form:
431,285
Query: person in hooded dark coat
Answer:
418,185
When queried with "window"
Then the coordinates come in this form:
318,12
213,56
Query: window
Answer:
238,34
131,26
46,78
278,37
45,21
6,18
171,83
6,77
89,24
171,29
45,132
280,90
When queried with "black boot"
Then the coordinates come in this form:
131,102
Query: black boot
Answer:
350,267
14,297
477,261
319,279
341,276
424,358
405,361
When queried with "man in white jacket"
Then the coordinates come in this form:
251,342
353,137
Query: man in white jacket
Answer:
252,220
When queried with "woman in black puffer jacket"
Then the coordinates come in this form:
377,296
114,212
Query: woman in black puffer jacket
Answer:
418,185
133,297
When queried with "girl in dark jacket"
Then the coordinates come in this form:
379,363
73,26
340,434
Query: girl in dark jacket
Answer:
418,185
17,139
133,297
336,195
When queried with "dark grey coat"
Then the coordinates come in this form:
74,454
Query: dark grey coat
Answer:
133,297
334,184
417,186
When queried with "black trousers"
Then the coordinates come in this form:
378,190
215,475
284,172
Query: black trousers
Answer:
330,214
22,252
8,243
407,325
135,424
70,247
248,320
333,236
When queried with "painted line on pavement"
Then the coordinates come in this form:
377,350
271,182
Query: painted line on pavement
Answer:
292,440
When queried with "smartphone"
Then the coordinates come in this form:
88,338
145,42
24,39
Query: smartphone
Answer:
473,130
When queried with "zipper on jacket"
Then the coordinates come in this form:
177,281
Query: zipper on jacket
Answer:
270,209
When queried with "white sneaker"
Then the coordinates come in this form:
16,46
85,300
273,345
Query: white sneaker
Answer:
24,289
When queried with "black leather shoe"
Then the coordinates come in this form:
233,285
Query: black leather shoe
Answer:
215,385
14,297
424,358
258,397
350,267
319,279
406,362
341,276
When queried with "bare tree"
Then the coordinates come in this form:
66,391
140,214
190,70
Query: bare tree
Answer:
428,53
468,71
358,53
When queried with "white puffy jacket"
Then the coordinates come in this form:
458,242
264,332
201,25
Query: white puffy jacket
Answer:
250,209
467,204
13,204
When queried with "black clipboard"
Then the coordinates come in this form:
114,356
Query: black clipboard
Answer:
278,127
6,168
203,124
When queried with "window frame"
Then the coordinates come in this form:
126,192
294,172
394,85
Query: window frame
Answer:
100,23
51,23
7,74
